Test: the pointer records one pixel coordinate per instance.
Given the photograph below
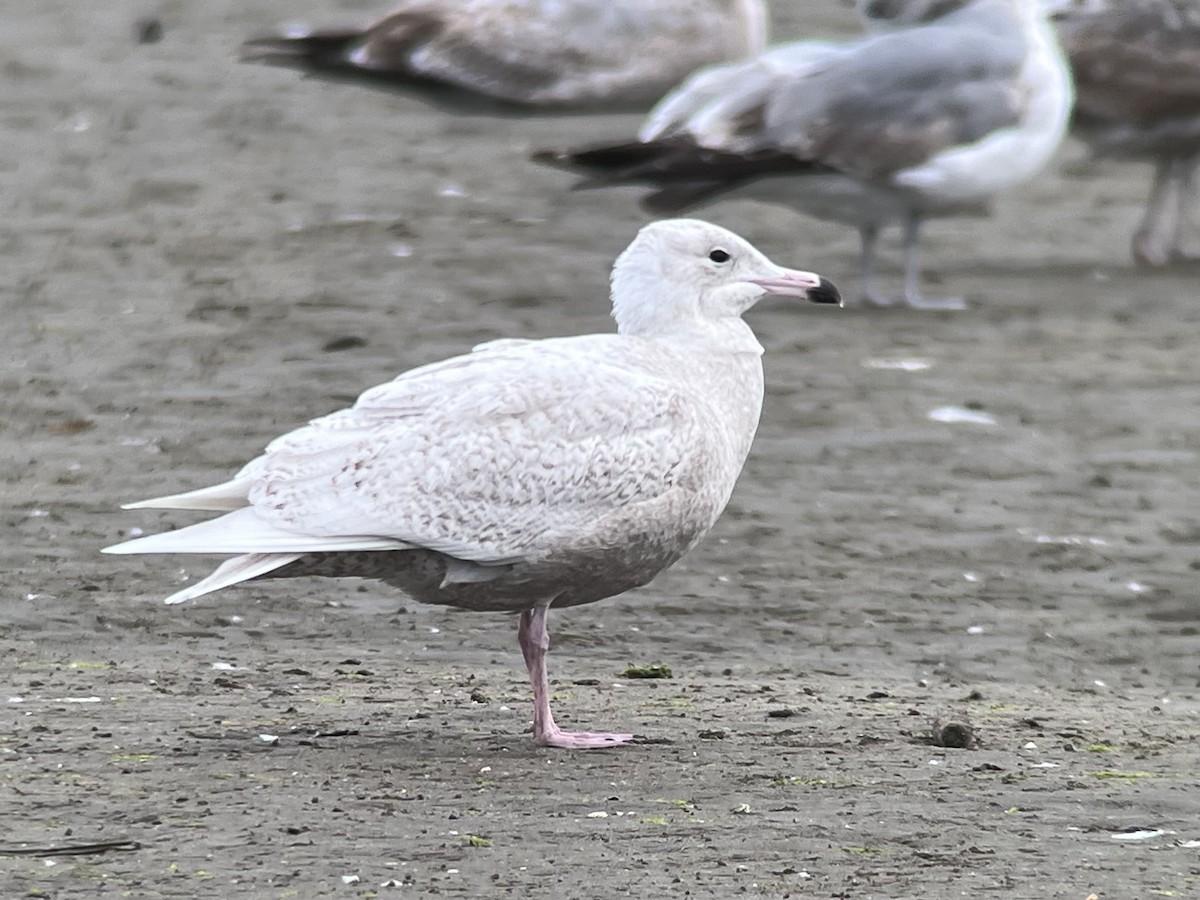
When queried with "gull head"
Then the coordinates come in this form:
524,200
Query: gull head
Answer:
883,15
682,273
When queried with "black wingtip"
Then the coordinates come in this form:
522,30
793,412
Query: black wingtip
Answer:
826,292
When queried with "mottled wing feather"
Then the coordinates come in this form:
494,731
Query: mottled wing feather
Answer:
547,51
483,456
1136,63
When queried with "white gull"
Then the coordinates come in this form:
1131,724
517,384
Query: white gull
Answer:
575,53
527,473
1137,82
948,104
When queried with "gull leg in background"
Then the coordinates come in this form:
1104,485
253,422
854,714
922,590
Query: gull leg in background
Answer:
534,638
912,298
1185,195
869,235
1146,248
912,270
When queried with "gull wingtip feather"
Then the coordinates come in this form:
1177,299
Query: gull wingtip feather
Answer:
233,571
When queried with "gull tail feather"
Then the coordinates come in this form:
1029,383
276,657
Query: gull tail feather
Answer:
234,571
317,50
336,49
683,172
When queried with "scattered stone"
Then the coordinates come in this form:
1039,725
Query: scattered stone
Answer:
955,734
345,342
148,30
654,670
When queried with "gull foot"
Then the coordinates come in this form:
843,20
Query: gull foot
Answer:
1184,258
873,298
919,302
1151,256
1149,253
913,301
579,740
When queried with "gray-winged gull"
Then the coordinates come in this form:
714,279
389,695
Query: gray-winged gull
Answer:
1137,82
576,53
527,473
951,102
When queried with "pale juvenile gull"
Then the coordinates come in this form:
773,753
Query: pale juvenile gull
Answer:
1137,82
527,473
949,103
577,53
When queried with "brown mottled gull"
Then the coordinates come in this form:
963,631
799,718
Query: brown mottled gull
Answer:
527,473
1137,83
575,53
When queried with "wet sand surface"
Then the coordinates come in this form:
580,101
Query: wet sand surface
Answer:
199,255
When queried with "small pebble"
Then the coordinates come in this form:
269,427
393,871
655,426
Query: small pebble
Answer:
148,30
955,734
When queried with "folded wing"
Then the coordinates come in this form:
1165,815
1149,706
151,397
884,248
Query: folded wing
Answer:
485,457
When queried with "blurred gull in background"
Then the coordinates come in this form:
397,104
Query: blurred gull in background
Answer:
565,53
947,103
1136,65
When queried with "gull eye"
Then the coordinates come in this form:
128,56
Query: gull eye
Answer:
719,256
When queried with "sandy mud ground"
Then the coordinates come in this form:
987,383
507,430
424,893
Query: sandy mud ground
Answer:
198,255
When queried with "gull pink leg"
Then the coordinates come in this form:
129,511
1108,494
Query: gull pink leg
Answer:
535,641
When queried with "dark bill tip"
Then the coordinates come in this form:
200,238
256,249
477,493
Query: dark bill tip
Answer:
825,292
